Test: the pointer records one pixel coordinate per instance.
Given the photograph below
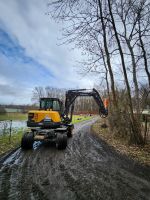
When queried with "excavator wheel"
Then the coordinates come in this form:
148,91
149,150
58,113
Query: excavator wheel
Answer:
61,141
27,140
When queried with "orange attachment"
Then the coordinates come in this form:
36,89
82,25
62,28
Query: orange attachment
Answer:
106,102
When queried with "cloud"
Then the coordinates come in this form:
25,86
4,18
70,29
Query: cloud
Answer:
29,52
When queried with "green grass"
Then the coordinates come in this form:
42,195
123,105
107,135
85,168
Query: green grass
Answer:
13,116
6,144
79,118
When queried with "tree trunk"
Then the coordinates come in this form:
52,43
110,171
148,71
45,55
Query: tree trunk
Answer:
134,75
106,74
135,134
144,54
115,103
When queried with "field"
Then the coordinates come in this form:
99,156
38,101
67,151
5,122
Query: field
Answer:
13,116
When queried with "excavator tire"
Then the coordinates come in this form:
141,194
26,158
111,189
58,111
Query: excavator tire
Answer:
27,140
61,141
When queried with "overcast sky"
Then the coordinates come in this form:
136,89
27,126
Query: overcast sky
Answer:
29,52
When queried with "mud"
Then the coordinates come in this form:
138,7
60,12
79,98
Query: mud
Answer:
87,169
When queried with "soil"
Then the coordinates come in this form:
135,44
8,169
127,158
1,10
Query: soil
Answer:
87,169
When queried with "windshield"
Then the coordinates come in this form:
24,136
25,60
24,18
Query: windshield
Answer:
50,104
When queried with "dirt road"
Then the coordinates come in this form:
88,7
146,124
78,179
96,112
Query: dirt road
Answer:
87,169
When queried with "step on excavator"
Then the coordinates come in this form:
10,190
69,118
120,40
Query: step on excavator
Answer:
52,122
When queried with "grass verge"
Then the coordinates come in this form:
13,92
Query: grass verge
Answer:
7,145
140,154
80,118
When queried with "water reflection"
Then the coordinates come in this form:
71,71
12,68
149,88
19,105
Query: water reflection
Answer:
14,126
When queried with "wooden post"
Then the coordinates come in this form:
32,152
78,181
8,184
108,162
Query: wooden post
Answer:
10,131
145,130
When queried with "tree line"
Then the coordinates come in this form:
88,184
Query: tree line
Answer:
82,104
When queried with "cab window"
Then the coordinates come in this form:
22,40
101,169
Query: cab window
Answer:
46,104
56,105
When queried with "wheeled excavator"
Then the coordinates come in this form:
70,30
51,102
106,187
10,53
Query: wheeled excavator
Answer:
52,122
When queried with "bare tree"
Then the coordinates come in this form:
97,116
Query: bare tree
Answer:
143,33
82,105
38,93
85,22
136,136
123,8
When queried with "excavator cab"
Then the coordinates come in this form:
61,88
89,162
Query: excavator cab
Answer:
53,104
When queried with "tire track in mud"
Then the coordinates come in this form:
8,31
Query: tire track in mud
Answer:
87,169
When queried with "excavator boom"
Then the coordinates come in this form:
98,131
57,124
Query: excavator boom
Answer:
71,96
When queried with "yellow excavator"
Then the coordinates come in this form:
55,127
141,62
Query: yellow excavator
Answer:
52,122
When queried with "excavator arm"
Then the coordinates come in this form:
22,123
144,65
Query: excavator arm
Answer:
71,96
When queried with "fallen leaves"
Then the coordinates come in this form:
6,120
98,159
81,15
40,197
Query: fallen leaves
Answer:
138,153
